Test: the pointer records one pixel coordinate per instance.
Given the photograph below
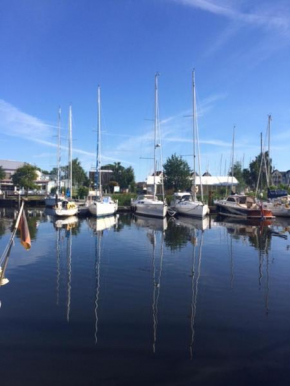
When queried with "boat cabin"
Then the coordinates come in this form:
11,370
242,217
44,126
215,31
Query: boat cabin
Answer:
241,200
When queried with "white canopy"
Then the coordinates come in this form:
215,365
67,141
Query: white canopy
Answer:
216,180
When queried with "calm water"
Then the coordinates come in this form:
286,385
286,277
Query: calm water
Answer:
136,301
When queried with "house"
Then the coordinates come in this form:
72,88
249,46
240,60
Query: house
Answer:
150,180
211,183
278,178
9,168
44,182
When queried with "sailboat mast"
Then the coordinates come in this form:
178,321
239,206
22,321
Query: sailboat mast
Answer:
269,159
70,152
155,128
98,165
194,134
233,158
58,152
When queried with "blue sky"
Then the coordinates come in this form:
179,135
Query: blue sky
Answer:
56,52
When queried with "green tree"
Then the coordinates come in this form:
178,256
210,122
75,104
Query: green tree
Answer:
2,174
177,173
79,177
128,178
237,172
124,177
83,191
24,177
252,175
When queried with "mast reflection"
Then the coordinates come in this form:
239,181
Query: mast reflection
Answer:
197,243
156,279
99,226
64,233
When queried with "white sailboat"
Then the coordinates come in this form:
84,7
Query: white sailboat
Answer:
150,205
101,205
184,202
278,200
65,207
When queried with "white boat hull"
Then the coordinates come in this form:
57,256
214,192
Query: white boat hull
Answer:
151,208
279,210
192,208
62,212
102,209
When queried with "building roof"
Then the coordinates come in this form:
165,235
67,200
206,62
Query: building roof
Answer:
216,180
11,165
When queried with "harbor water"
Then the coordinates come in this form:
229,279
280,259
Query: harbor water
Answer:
131,300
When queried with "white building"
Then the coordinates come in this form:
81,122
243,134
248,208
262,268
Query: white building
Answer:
43,181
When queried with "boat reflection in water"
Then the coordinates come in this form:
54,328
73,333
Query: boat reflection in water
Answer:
194,223
102,223
281,225
68,223
159,224
257,234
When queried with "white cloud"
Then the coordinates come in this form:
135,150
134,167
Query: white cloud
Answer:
271,19
273,16
16,123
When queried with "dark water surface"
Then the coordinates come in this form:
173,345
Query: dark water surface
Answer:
136,301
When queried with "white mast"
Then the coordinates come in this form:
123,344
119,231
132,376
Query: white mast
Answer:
58,152
233,158
194,134
98,161
269,160
70,151
155,129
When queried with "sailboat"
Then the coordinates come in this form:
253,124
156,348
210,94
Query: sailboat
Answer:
101,205
66,207
278,200
149,205
184,202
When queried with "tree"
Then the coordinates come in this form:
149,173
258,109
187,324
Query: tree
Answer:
124,177
79,177
177,173
2,174
128,179
238,173
251,175
83,191
25,176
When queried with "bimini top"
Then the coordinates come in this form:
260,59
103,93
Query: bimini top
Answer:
277,193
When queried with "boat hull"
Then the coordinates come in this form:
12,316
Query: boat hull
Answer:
102,209
237,211
278,209
65,212
152,209
191,208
